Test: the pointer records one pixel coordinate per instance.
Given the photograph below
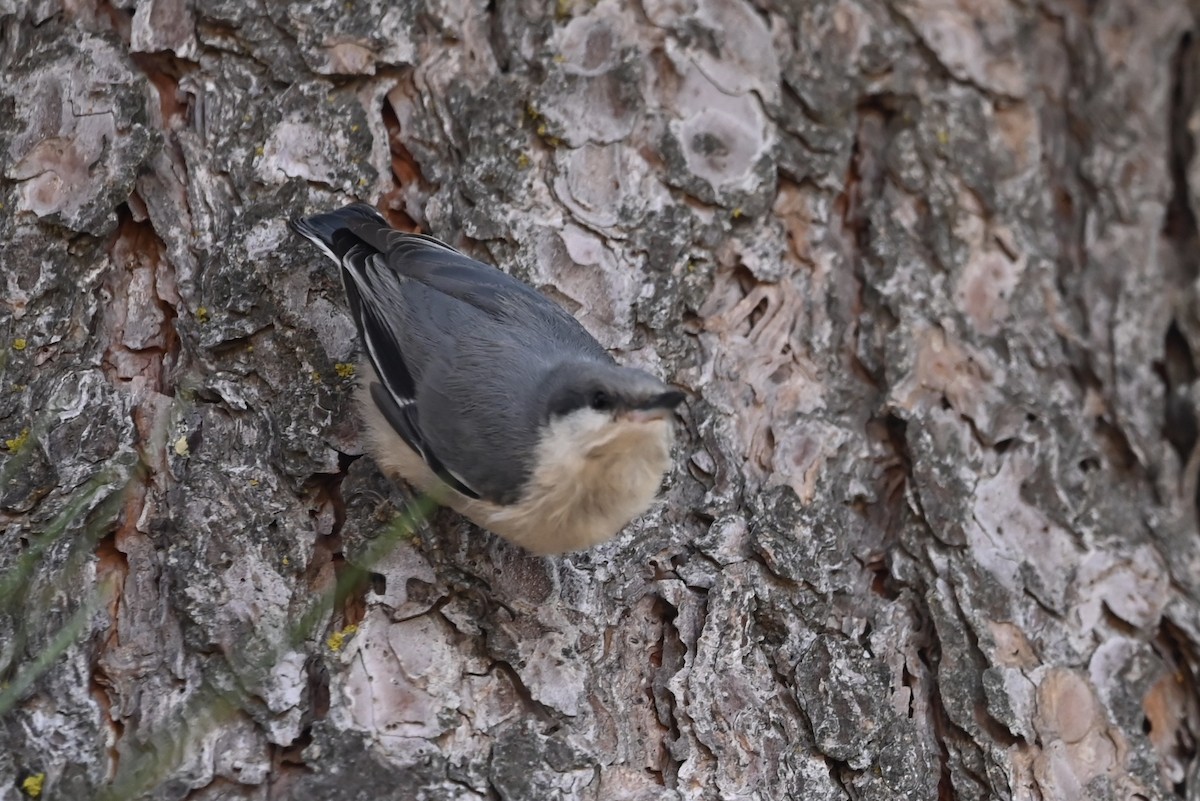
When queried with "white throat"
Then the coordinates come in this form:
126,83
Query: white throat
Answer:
594,474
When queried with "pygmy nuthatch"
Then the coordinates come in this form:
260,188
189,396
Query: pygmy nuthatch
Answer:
483,393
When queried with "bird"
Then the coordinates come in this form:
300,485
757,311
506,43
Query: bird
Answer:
489,397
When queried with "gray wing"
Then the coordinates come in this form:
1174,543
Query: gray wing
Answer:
506,300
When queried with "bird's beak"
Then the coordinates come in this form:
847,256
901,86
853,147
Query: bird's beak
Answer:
658,407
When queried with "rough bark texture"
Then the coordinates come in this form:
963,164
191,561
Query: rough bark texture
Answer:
928,269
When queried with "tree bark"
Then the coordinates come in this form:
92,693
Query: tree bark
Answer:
926,268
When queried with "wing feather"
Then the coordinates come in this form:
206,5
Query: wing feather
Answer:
403,420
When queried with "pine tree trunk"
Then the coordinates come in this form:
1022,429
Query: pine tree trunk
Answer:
928,270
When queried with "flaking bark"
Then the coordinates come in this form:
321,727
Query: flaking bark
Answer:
928,270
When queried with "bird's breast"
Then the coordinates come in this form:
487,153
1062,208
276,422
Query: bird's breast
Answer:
587,485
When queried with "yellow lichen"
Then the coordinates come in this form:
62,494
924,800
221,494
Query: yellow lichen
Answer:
33,784
316,376
522,161
737,213
181,447
19,344
16,443
338,638
344,370
258,151
202,314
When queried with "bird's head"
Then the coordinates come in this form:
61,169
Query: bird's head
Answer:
610,392
603,446
598,405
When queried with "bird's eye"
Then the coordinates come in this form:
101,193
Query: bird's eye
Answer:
601,401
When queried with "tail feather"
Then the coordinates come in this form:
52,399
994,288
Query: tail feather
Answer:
323,229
